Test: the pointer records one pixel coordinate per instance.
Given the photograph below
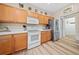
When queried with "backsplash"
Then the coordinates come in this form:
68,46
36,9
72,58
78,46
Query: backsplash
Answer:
36,27
19,27
3,28
13,26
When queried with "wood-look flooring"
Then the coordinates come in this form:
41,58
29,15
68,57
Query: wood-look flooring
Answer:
61,47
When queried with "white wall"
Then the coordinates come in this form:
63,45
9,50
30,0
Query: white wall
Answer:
69,28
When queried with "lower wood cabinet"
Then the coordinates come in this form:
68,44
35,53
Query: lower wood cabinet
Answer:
45,36
6,44
12,43
20,41
16,42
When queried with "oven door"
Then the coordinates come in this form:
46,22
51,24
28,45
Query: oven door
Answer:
33,37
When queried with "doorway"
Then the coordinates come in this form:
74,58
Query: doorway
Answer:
69,27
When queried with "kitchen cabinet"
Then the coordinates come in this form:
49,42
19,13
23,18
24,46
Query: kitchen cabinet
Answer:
20,41
16,15
33,14
6,44
6,13
43,19
45,36
12,43
20,16
12,15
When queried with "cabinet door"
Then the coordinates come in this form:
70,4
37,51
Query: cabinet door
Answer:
33,14
6,46
43,19
20,41
20,16
46,20
5,13
2,13
11,14
48,35
45,36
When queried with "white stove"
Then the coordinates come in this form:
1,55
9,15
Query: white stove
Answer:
33,39
34,36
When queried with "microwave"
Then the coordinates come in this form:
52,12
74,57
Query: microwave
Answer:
32,20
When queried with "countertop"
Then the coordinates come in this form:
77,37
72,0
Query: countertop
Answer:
46,30
16,32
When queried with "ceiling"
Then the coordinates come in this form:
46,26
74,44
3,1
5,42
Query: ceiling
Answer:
50,7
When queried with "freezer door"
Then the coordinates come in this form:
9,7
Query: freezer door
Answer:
56,29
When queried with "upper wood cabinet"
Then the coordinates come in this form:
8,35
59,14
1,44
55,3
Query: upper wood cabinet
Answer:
43,19
45,36
6,13
6,44
20,41
20,16
16,15
33,14
47,18
11,14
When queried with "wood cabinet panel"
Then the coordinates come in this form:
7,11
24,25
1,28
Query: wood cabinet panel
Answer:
6,44
5,13
33,14
2,9
43,19
45,36
11,14
20,16
20,41
48,35
12,43
46,19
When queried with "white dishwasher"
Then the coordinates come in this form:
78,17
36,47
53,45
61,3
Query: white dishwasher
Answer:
34,38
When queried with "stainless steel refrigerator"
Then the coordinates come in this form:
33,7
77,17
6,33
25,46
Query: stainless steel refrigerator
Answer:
54,25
